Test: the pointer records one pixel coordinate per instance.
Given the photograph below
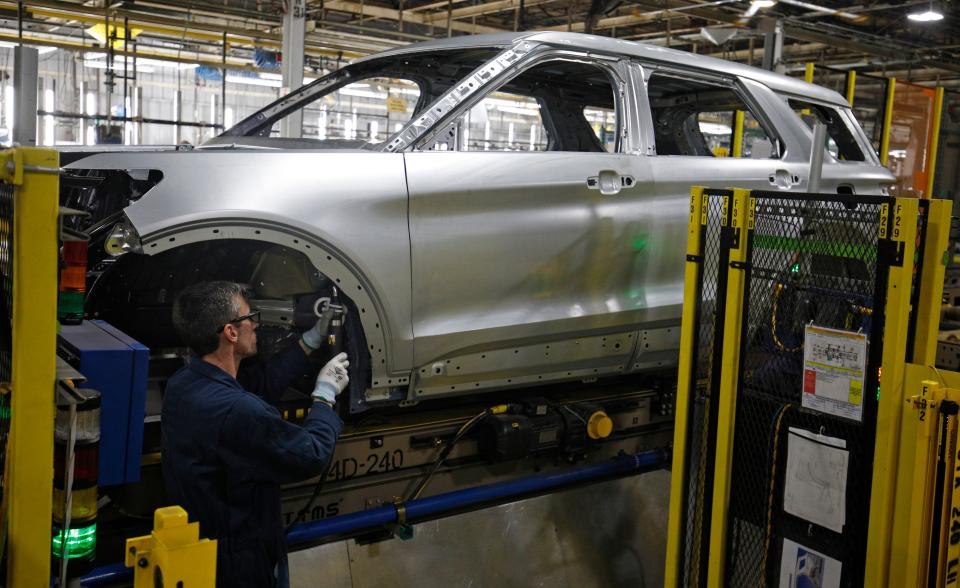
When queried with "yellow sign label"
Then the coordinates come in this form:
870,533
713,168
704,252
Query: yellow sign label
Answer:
395,104
735,221
751,213
703,209
897,233
884,215
856,391
723,212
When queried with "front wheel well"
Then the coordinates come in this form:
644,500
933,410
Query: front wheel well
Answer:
136,292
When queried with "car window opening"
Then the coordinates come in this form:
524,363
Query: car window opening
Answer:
696,118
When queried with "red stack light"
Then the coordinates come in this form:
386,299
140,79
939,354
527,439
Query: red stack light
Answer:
73,281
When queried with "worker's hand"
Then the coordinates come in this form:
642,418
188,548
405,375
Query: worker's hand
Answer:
332,379
316,335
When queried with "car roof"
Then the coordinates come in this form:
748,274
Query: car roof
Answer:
775,81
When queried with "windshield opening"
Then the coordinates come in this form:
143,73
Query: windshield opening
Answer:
362,104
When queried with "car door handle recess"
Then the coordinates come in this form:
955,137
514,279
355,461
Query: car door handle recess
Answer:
784,179
610,182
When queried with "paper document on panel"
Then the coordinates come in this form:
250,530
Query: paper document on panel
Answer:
802,567
815,484
834,371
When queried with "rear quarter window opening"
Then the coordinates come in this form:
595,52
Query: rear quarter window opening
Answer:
841,143
697,118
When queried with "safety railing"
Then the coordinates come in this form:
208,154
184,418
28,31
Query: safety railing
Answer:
28,279
785,329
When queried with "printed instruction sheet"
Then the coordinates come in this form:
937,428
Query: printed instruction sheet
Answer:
834,371
815,484
802,567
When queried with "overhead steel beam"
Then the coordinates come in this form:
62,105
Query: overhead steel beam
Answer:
391,14
481,9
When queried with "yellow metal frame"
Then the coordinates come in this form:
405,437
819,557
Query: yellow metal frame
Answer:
174,551
685,386
903,231
30,445
851,85
935,250
743,206
927,387
887,120
934,141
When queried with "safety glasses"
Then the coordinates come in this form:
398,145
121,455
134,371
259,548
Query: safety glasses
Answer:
253,316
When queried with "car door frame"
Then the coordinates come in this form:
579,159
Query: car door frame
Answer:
629,143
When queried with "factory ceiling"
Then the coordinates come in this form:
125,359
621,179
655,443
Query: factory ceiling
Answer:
866,36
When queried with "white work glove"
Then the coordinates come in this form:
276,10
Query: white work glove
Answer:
332,379
316,335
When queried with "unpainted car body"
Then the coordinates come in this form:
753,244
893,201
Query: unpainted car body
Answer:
473,269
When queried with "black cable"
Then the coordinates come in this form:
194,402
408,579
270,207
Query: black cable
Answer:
446,452
313,497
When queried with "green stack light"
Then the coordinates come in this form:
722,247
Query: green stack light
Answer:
81,542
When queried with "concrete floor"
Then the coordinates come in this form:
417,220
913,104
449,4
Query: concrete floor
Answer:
608,534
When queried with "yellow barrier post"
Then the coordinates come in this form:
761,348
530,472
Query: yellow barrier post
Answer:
738,134
910,540
887,120
808,72
890,396
740,219
686,385
935,250
30,446
934,141
173,552
851,85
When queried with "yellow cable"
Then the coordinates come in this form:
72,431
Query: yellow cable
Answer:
773,320
773,480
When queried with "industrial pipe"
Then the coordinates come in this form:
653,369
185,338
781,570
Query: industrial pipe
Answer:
434,505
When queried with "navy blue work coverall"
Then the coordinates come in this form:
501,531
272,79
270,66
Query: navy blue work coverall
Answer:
225,453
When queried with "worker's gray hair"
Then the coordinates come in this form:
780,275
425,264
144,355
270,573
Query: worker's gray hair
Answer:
201,310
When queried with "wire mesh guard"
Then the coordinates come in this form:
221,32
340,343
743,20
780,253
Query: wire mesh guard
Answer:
702,417
6,317
811,261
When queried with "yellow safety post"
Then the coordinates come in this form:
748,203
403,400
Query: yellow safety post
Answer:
910,540
34,175
686,384
738,134
808,72
887,120
741,217
851,85
902,227
934,141
935,250
173,552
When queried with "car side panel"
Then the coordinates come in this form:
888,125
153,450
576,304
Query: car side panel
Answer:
512,248
352,205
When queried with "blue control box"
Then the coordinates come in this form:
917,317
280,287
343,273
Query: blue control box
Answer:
116,366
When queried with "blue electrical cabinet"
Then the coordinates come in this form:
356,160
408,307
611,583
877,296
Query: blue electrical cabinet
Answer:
116,366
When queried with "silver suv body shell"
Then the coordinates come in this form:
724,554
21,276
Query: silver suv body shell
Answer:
475,271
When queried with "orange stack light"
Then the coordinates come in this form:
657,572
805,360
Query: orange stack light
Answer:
73,282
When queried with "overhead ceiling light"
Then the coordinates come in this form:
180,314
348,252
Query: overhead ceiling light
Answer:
757,5
931,14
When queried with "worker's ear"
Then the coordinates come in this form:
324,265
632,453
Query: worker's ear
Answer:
231,332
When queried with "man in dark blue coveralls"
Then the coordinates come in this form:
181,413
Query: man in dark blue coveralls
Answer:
226,450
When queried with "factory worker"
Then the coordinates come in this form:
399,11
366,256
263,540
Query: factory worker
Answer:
226,450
